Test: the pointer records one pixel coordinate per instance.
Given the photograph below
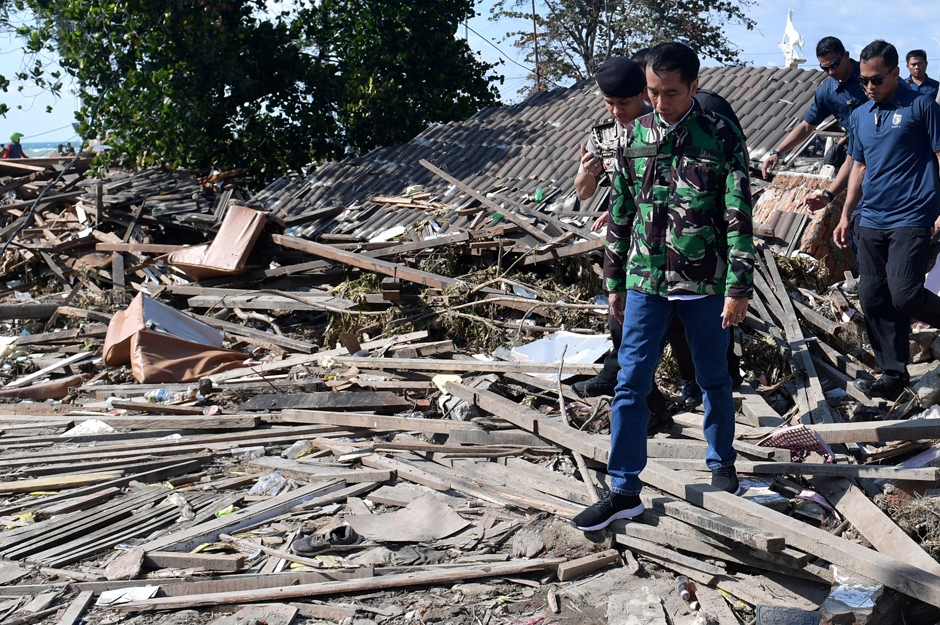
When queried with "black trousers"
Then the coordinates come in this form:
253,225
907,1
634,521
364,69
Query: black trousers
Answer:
680,349
892,264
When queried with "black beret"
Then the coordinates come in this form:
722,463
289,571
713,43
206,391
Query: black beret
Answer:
620,77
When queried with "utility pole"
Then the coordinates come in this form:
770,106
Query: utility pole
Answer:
535,39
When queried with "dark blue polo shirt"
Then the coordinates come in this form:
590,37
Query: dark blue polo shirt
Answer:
896,141
838,99
929,87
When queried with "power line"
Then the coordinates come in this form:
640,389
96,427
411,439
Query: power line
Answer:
508,58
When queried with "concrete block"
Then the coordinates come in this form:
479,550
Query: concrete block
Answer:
635,608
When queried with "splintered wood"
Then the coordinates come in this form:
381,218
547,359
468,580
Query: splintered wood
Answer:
344,411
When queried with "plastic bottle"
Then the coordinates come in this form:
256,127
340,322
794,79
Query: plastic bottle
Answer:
686,588
297,450
158,396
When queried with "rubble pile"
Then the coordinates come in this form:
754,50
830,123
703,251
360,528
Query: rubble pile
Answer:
362,414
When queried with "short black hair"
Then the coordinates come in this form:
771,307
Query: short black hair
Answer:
829,45
879,47
640,56
671,57
916,53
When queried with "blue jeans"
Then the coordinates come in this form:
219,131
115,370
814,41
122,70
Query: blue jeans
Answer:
645,329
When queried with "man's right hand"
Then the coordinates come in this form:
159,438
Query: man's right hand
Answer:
770,163
838,235
617,301
591,163
600,222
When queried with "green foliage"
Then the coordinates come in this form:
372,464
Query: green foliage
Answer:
575,36
226,84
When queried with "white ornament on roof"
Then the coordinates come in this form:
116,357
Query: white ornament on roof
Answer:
792,44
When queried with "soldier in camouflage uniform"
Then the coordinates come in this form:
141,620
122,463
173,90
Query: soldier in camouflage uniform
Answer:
680,240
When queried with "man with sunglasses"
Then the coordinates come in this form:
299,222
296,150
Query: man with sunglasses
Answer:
896,148
837,97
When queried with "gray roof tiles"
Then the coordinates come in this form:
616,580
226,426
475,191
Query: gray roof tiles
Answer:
538,139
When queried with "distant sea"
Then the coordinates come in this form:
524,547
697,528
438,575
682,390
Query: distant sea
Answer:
34,150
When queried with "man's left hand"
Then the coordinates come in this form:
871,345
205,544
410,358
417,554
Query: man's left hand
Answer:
936,227
734,311
815,201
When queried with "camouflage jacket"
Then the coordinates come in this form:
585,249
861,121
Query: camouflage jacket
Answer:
680,219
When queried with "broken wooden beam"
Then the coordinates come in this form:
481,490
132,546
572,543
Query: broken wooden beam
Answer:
445,577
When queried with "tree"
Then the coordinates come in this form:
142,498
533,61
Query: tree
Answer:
575,36
225,84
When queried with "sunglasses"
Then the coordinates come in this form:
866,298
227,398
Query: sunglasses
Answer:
875,80
832,65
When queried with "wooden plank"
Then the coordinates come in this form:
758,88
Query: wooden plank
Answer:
270,302
215,562
488,203
575,249
406,471
896,574
930,474
872,523
189,539
312,472
274,339
71,360
664,553
77,608
58,482
144,476
182,586
844,382
594,562
417,246
360,400
75,503
370,421
402,272
289,363
139,248
879,431
385,582
469,366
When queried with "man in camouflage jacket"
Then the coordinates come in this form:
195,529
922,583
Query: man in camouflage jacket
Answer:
680,242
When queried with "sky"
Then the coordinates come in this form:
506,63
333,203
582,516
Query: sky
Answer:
907,24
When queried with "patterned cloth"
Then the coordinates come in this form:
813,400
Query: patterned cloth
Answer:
799,440
680,219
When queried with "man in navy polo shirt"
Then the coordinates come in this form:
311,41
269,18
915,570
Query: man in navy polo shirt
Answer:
919,80
896,148
837,97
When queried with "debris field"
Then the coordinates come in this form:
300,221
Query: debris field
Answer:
225,407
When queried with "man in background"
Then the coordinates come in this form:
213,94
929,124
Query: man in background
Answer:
896,147
918,80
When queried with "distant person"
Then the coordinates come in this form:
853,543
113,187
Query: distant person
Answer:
836,97
918,80
14,149
69,150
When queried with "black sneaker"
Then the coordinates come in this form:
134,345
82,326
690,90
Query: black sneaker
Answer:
885,388
595,387
691,393
726,479
612,507
340,536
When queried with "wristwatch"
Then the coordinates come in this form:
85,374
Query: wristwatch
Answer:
829,196
775,152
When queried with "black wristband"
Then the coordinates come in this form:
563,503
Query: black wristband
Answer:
829,195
